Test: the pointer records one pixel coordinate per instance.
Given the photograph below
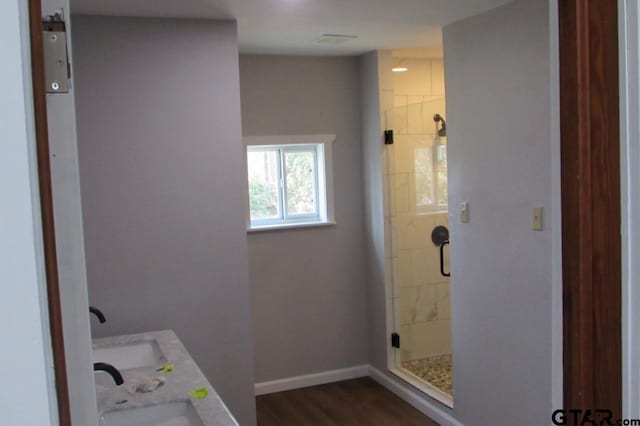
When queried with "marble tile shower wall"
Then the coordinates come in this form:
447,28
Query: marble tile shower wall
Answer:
424,81
419,293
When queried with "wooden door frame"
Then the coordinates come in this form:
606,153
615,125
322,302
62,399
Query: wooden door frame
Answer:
46,206
591,204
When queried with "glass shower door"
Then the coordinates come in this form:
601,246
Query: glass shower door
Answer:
417,205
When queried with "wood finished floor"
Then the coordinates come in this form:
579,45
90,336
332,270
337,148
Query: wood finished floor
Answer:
360,402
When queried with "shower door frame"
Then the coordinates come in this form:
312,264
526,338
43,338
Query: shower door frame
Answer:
393,322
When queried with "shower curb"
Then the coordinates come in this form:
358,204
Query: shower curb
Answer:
421,402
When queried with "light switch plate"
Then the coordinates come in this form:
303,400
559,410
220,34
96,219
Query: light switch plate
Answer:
464,212
537,222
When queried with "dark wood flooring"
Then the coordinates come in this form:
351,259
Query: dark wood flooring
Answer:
360,402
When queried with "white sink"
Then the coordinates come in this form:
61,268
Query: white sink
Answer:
179,413
143,353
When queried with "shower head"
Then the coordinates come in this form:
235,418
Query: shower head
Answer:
443,127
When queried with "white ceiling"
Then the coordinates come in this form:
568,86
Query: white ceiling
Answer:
292,26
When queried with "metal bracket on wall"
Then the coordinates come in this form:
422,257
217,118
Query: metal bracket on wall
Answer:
388,137
395,340
56,58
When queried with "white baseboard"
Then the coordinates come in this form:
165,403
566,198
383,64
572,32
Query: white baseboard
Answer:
418,400
298,382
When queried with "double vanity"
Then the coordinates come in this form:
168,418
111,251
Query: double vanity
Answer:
184,397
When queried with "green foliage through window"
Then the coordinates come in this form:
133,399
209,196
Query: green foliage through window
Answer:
431,188
301,194
283,183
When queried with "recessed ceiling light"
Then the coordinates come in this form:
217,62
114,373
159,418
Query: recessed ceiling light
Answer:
400,69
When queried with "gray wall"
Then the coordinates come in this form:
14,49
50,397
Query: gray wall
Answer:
163,189
372,84
308,285
498,80
498,105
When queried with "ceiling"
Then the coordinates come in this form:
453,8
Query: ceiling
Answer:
293,26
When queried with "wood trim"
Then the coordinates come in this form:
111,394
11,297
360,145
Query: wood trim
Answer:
606,205
574,129
46,205
591,217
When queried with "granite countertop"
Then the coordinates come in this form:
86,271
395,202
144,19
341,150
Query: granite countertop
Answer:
185,377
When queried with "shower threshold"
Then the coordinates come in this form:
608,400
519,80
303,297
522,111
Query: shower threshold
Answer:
414,373
435,370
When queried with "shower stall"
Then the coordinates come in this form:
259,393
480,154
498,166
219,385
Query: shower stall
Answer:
417,217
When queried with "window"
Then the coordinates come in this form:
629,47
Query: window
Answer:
431,178
287,178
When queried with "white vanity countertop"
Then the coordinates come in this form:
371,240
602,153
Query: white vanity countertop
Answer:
185,377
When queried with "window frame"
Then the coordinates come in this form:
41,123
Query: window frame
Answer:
321,146
283,151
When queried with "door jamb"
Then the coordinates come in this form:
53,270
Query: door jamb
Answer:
46,205
629,20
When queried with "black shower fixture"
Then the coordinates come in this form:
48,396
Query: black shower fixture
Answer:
443,127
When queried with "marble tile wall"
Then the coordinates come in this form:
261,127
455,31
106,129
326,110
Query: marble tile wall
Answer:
420,294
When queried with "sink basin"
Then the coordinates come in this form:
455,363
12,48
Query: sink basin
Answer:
144,353
179,413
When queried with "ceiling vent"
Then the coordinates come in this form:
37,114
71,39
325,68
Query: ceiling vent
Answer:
335,39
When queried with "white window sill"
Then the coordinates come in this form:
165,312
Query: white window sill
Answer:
285,226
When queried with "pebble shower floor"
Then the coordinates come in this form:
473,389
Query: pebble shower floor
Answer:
435,370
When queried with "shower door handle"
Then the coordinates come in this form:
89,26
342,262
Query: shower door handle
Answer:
442,272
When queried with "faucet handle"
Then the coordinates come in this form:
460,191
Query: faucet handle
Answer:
98,313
